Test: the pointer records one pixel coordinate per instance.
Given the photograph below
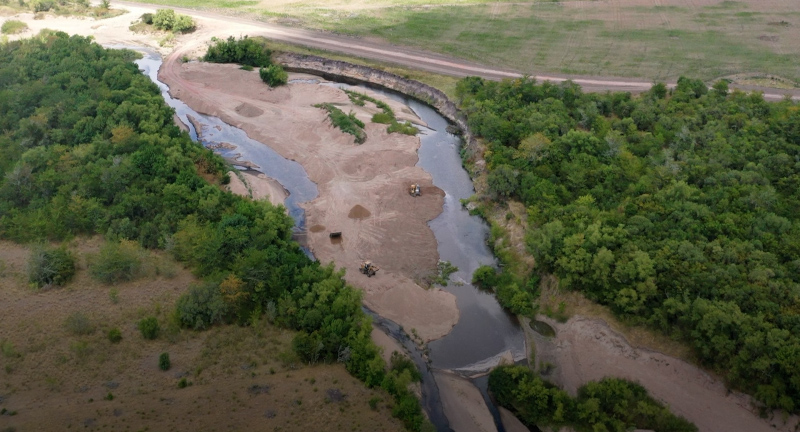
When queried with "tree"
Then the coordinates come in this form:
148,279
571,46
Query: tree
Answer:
502,181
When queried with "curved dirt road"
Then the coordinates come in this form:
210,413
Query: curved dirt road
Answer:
425,60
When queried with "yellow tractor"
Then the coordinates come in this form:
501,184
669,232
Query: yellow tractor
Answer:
368,268
414,190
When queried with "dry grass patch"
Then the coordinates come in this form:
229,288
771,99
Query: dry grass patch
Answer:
60,367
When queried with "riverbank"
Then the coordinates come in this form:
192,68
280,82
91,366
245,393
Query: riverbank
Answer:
362,188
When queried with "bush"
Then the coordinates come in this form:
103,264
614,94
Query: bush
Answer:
244,51
50,266
167,19
202,306
79,324
274,75
114,335
484,277
164,19
117,262
13,27
183,24
404,128
41,5
163,362
147,18
347,123
382,118
149,328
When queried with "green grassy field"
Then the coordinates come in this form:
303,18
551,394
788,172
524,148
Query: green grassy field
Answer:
705,39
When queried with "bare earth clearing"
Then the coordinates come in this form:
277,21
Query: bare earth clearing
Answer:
55,379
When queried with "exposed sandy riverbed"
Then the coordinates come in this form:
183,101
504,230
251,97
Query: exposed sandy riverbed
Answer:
362,188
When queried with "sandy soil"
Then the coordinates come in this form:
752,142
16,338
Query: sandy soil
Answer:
390,227
463,404
588,350
386,342
257,187
510,422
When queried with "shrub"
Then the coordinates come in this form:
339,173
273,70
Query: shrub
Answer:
114,335
13,27
202,307
164,19
183,24
382,118
183,383
244,51
147,18
50,266
399,363
163,362
374,401
404,128
79,324
485,277
347,123
41,5
247,68
274,75
149,328
117,262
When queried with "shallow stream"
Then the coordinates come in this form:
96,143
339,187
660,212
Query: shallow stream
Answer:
484,331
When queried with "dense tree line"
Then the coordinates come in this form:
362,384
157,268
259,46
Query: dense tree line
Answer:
609,405
678,209
88,146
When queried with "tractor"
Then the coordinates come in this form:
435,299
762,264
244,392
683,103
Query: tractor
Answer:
368,268
414,190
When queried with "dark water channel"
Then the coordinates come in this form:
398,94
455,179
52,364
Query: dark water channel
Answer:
484,331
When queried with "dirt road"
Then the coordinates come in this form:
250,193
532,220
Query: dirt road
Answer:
428,61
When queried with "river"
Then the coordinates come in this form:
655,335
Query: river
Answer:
484,331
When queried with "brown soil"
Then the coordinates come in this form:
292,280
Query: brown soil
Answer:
587,349
463,404
362,188
512,423
248,110
257,187
358,212
387,344
56,380
316,228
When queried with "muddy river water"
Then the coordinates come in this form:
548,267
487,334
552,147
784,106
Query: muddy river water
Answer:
484,332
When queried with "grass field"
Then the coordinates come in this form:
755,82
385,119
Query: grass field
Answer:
54,377
650,39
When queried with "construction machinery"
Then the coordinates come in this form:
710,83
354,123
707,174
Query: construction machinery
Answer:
414,190
368,268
